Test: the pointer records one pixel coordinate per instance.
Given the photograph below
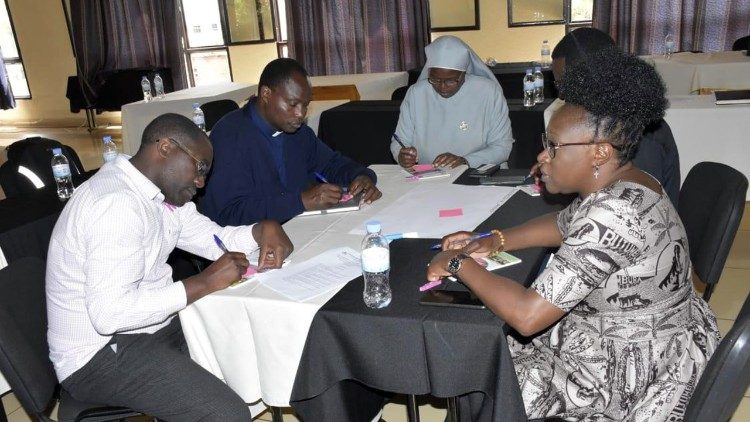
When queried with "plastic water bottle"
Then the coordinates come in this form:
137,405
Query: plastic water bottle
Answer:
376,266
198,118
158,87
61,171
546,61
538,85
109,151
668,46
146,87
528,89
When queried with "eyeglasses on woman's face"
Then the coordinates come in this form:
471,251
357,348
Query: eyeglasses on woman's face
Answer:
200,166
448,83
552,146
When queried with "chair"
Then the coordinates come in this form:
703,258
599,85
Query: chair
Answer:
399,93
726,377
335,92
24,351
712,200
215,110
741,44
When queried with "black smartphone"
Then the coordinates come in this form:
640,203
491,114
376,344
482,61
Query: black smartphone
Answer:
460,299
502,180
484,170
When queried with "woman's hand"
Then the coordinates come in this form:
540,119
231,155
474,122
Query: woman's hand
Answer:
437,268
476,248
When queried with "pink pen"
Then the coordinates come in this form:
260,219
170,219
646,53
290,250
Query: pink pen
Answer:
429,285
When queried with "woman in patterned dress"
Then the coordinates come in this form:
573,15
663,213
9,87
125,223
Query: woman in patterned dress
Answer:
615,330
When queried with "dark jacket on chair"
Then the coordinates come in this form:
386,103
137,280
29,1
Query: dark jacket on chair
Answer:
657,155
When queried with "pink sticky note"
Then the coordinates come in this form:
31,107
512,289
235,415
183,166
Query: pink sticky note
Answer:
251,270
422,167
454,212
346,197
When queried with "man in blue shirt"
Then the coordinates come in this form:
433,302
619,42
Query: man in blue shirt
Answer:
266,157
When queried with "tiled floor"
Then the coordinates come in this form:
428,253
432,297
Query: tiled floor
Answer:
726,302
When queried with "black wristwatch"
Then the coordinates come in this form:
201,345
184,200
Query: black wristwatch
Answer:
454,264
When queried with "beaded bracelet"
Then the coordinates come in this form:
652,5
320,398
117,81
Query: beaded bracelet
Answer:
499,234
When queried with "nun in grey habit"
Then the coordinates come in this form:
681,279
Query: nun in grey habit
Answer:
458,120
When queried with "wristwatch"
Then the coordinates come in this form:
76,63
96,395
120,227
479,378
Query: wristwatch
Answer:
454,264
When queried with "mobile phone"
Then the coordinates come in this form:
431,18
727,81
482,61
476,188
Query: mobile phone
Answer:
460,299
484,170
502,180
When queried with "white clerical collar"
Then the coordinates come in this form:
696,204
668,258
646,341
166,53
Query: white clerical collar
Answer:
277,133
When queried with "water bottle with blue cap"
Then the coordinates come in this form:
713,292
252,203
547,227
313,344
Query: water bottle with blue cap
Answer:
376,267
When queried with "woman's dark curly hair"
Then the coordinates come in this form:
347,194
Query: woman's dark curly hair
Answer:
621,93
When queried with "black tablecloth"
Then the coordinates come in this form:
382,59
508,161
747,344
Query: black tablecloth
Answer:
510,76
352,352
361,130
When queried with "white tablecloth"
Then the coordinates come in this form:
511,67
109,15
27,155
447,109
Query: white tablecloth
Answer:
316,108
686,73
705,131
371,86
135,116
252,337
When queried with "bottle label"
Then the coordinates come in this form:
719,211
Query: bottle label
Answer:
61,170
528,86
376,260
199,120
539,82
109,156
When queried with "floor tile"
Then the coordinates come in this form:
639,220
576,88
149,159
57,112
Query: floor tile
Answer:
739,255
742,414
730,293
10,403
745,222
19,416
724,326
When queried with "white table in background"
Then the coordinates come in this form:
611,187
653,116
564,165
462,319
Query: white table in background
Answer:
686,73
371,86
135,116
251,336
705,131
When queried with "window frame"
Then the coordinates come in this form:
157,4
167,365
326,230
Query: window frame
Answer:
188,51
18,59
224,15
573,25
280,43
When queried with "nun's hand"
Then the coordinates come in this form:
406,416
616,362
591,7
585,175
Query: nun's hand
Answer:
407,157
447,159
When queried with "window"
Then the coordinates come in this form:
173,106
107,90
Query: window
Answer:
232,22
12,55
579,14
282,42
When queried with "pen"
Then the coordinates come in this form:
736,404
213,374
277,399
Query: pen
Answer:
471,239
320,177
220,244
406,235
397,139
429,285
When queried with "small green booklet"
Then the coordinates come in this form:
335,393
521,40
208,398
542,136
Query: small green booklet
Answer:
501,260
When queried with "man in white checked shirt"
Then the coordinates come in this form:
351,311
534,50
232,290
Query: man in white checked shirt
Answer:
113,332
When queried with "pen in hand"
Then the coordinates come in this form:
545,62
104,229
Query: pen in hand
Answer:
220,244
470,239
397,139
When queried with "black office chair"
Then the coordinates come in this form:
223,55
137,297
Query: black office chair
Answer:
24,351
726,377
215,110
741,44
712,200
399,93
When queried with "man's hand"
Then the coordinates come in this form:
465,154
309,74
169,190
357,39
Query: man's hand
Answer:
274,244
407,157
364,184
221,274
321,196
447,159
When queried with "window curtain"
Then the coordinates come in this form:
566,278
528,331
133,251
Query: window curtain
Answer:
7,101
640,27
330,37
124,34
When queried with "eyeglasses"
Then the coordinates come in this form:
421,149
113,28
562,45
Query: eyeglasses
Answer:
551,146
449,83
201,166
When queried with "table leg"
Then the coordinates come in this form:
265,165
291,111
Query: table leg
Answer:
412,410
453,414
276,415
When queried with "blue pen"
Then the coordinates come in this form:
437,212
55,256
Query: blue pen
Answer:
397,139
320,177
220,244
471,239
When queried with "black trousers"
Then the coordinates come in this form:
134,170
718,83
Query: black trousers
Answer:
153,374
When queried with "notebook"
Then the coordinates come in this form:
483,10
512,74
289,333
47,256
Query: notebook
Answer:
348,203
501,260
431,173
741,96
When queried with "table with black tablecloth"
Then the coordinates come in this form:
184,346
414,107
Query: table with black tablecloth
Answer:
362,130
352,353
